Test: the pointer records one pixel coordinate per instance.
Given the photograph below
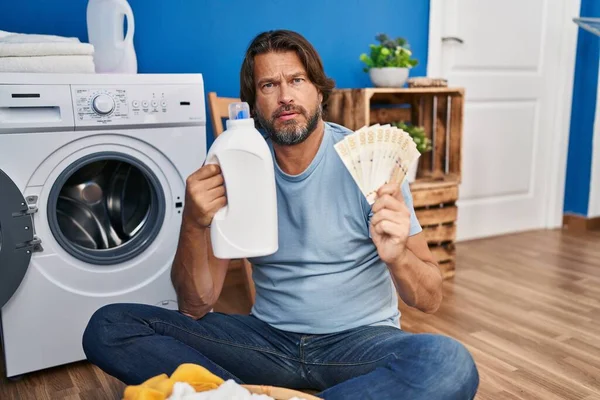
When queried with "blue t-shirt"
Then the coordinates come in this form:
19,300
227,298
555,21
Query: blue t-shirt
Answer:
326,276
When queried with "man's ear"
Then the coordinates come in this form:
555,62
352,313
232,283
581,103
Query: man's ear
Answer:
320,97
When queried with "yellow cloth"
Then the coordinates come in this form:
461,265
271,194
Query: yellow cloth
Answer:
161,386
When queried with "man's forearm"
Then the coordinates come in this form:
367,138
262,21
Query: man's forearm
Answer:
418,282
197,283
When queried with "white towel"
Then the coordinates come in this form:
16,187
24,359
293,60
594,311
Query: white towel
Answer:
23,45
52,64
228,390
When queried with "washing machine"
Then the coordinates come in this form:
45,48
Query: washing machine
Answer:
92,182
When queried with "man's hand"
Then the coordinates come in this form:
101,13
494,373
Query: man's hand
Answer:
390,223
205,195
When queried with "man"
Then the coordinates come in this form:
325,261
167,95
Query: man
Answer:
326,313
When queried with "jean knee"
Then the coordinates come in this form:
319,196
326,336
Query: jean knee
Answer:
97,334
461,377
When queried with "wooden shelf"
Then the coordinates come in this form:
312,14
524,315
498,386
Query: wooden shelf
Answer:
419,90
435,183
439,110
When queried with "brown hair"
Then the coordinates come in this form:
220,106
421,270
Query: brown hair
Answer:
280,41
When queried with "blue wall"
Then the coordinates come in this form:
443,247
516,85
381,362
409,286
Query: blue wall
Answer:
210,36
583,112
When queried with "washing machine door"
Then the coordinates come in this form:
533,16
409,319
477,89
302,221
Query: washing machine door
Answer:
16,237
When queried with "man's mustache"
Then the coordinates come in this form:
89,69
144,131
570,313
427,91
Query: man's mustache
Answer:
289,108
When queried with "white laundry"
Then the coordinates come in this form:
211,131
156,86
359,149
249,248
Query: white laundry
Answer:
229,390
31,45
35,37
52,64
20,52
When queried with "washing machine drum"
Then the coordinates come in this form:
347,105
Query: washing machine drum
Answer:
106,208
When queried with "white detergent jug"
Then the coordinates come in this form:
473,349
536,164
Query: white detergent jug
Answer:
113,53
247,225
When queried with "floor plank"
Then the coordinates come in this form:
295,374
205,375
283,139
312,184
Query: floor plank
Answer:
526,305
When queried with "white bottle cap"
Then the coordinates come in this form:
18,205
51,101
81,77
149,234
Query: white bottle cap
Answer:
239,111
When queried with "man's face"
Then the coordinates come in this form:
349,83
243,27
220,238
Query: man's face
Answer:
288,105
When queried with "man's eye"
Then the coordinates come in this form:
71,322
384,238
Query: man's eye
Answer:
298,80
268,85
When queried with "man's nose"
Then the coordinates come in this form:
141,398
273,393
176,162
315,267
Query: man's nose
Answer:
285,94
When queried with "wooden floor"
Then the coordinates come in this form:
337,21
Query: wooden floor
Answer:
526,305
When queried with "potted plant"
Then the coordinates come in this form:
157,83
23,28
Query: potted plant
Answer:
417,133
389,62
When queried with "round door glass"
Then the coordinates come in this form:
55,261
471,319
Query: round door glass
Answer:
106,208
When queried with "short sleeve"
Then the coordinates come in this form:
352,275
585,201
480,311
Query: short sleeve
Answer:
415,226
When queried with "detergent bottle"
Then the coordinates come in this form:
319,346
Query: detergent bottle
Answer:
247,225
113,50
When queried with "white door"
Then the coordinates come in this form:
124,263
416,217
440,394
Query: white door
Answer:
515,60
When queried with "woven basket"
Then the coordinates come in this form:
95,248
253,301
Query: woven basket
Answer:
279,393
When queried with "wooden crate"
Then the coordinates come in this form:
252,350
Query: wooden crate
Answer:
436,210
440,111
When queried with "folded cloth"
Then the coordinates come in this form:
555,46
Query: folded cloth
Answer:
22,45
35,37
52,64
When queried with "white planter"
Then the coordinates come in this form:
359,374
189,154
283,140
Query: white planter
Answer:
388,76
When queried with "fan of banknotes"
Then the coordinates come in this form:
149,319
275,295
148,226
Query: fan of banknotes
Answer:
377,155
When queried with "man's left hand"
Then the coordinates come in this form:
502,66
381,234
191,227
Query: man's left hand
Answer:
390,223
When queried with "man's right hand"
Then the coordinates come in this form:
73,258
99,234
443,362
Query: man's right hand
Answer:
204,196
197,275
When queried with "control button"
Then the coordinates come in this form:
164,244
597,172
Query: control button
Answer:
145,104
163,103
103,104
154,103
135,104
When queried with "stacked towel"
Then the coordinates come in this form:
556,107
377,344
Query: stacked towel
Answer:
44,53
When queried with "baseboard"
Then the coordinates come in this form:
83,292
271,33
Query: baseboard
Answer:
578,223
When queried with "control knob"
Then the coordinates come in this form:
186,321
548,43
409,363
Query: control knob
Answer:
103,104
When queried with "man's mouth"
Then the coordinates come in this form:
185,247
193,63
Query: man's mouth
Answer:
285,116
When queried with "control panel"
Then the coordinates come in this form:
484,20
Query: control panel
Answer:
101,104
137,104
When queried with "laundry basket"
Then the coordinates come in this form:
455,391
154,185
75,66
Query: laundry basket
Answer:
279,393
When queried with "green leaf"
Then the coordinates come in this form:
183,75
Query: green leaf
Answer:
417,133
388,53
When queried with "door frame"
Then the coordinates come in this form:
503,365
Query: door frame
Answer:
554,191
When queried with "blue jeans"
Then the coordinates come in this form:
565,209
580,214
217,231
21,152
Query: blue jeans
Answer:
134,342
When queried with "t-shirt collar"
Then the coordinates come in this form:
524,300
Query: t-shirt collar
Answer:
313,164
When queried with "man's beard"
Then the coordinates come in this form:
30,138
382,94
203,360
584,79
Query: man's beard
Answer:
291,132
